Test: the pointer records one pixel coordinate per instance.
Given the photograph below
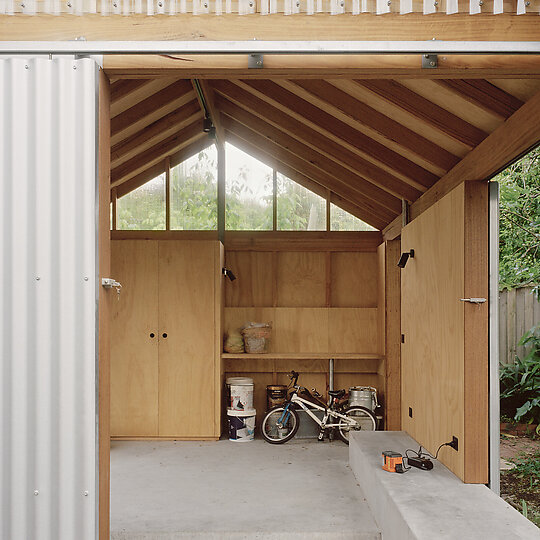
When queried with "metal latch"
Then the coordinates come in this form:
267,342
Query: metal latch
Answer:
474,300
110,283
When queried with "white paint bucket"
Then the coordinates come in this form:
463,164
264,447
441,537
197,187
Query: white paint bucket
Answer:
240,391
364,396
241,425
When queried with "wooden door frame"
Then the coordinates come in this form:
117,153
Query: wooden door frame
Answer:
104,258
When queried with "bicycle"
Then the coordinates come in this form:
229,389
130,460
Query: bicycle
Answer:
281,423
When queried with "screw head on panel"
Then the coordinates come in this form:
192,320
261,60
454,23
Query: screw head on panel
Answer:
26,67
68,4
36,492
85,278
37,278
23,6
85,493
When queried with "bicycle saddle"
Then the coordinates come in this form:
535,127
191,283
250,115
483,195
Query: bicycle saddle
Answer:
336,393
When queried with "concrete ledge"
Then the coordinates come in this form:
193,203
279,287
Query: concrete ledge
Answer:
429,505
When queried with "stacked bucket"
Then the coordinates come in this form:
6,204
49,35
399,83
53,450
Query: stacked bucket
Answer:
240,411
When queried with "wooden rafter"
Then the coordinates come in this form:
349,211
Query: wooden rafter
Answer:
303,110
158,130
156,153
334,98
425,110
485,95
124,87
338,185
513,138
151,105
323,144
365,214
328,166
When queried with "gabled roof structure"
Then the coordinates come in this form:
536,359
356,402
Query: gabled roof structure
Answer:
370,143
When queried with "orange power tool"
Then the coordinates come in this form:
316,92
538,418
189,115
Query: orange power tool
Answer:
392,461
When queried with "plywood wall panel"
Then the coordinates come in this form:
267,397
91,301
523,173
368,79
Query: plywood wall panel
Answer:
353,330
301,330
134,354
253,286
301,279
432,320
354,279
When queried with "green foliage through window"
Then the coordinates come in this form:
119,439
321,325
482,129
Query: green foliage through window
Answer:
298,208
143,208
194,192
248,192
340,220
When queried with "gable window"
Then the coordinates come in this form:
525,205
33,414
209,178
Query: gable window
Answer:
193,192
340,220
143,209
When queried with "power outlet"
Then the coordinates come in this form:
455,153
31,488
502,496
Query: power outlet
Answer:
454,444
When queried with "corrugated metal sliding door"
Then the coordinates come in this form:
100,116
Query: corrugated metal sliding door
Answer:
48,326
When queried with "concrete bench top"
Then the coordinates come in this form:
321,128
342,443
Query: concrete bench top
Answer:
429,505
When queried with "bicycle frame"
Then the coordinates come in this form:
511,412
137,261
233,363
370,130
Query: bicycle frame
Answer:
295,398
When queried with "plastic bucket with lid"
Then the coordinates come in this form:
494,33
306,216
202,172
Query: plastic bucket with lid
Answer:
240,392
241,425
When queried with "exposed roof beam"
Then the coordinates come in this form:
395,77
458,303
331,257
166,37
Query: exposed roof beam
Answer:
158,130
209,101
365,115
326,165
323,144
124,87
485,95
269,159
425,110
338,185
290,102
151,104
508,142
155,153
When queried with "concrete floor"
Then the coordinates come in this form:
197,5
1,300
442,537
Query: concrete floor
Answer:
220,490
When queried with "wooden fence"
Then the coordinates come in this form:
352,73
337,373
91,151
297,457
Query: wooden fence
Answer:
519,311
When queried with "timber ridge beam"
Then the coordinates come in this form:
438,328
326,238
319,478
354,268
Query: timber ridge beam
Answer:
511,140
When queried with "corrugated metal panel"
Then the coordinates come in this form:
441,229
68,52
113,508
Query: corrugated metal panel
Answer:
265,7
48,483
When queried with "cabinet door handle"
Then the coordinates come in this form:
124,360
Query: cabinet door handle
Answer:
164,335
152,334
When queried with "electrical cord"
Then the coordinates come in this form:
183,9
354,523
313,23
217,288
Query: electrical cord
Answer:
420,454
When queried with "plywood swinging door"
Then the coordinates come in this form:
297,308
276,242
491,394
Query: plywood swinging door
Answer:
445,349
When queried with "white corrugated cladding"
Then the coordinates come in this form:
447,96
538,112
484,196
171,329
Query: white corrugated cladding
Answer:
263,7
48,408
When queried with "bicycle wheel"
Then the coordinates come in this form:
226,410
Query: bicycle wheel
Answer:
364,418
290,423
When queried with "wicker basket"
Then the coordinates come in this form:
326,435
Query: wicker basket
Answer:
257,337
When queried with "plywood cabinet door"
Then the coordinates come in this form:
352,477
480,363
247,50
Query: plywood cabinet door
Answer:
186,341
134,353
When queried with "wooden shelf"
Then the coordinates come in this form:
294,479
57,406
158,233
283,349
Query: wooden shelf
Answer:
303,356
